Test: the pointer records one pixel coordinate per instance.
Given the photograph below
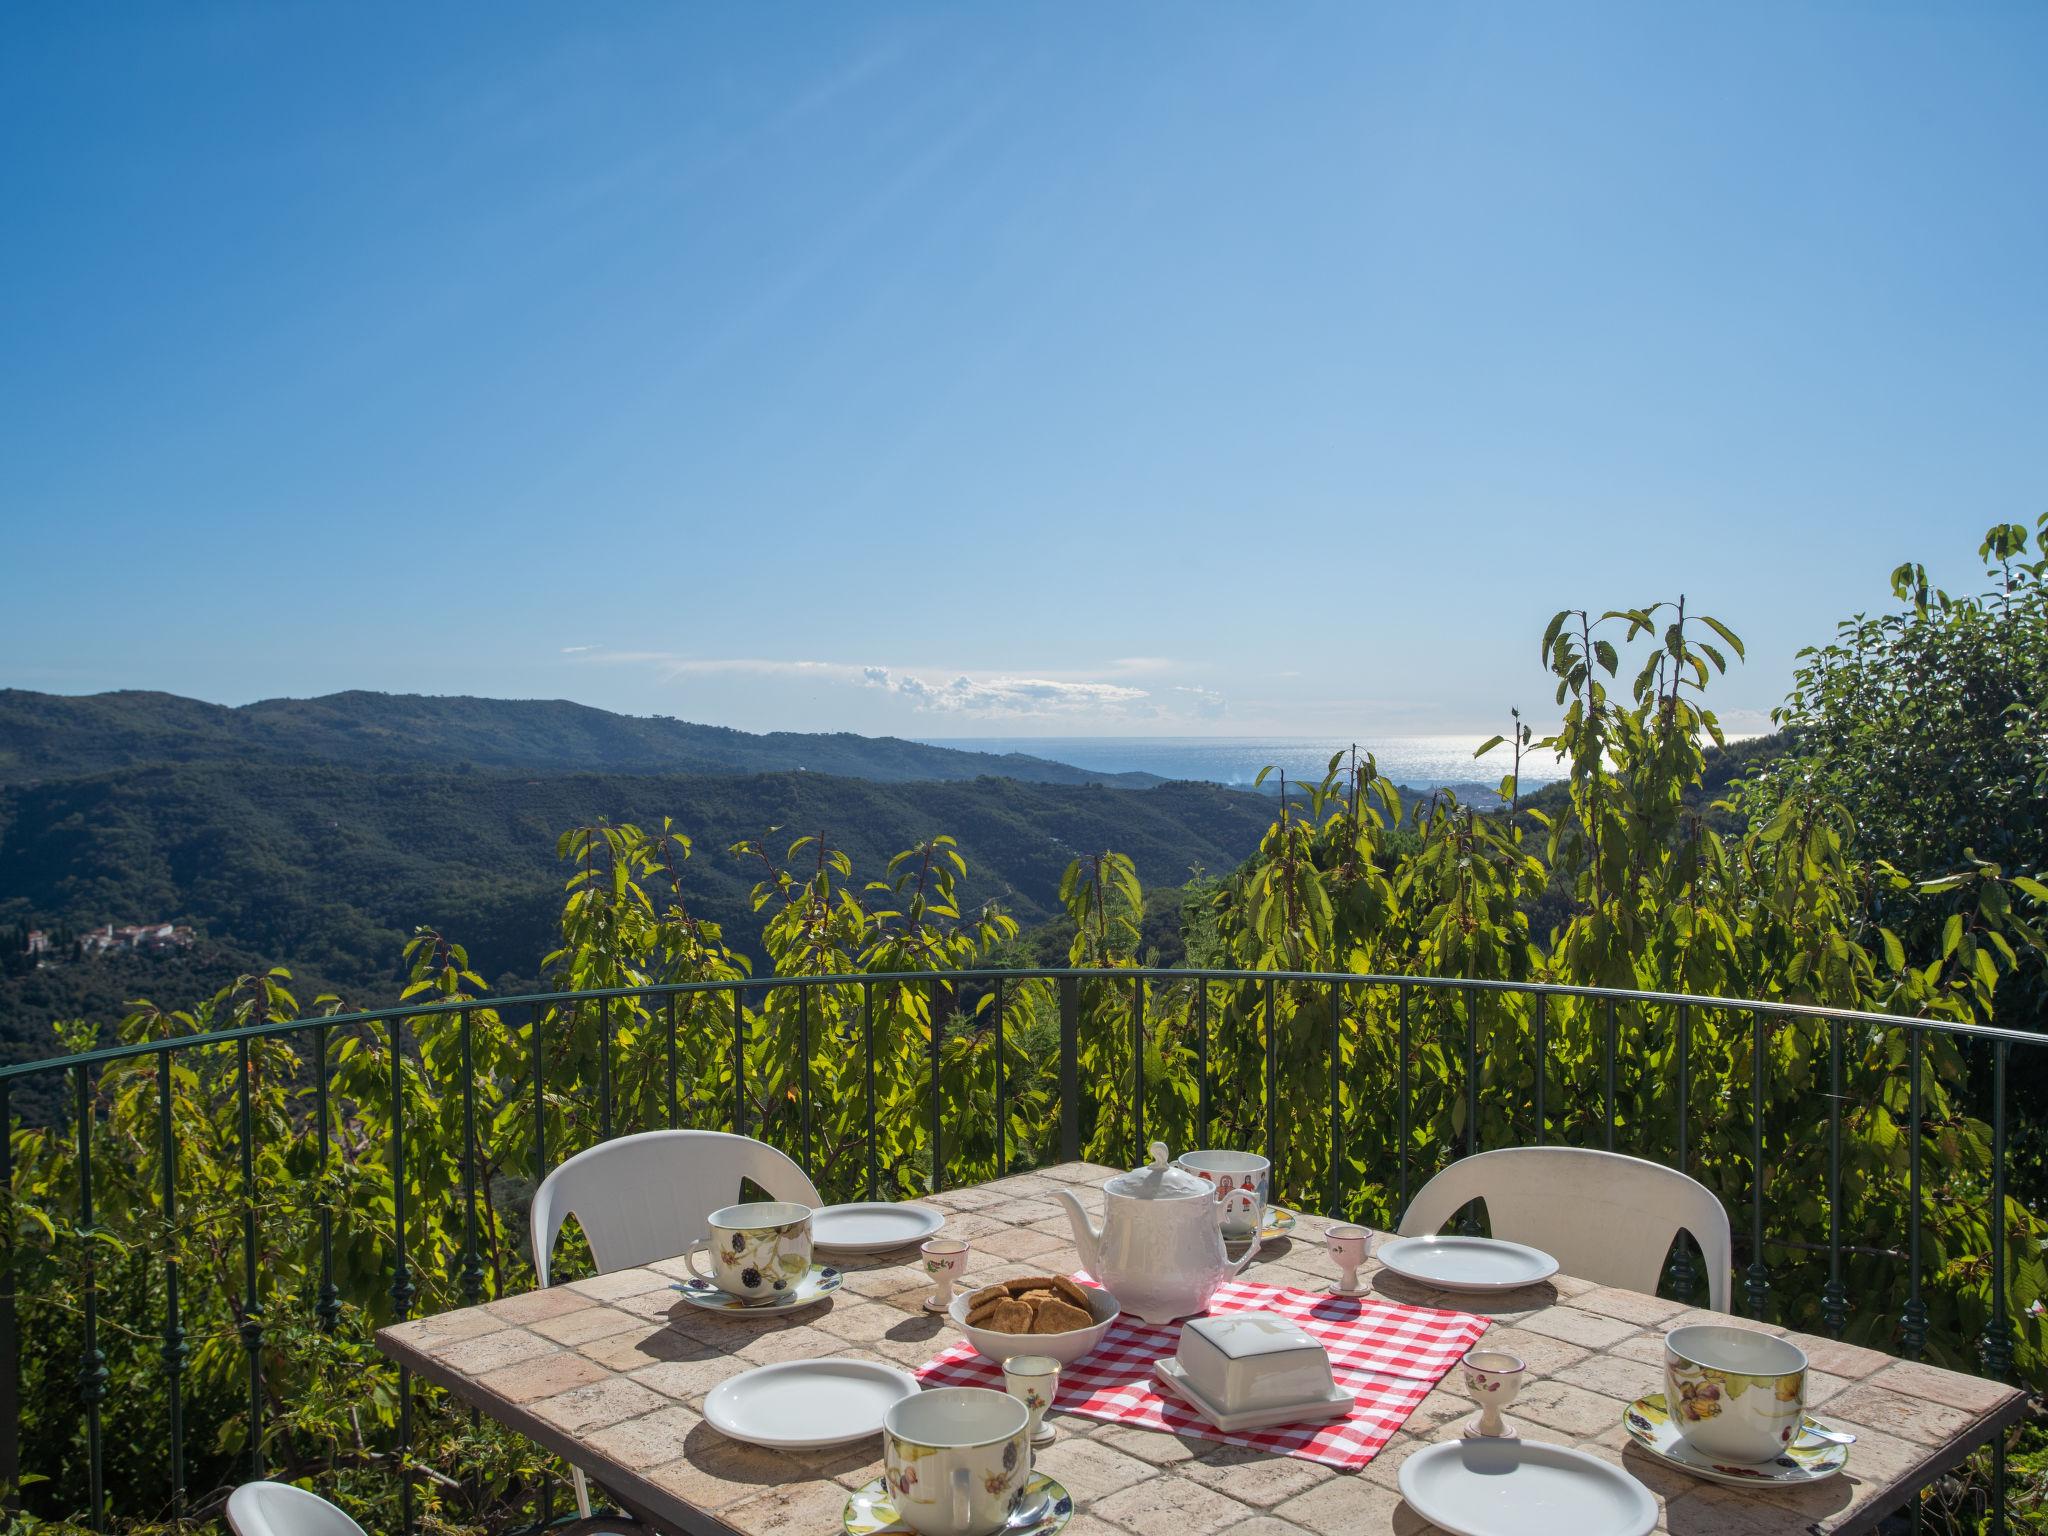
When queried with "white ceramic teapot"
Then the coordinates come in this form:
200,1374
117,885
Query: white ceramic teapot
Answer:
1160,1247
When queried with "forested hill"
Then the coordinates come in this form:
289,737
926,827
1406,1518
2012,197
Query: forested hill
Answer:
327,870
47,736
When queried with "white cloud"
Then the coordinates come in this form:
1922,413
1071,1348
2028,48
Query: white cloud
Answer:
1014,697
577,650
991,697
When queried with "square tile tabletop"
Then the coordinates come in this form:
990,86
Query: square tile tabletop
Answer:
611,1373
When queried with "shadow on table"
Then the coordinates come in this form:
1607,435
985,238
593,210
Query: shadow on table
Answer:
1527,1298
918,1327
1694,1504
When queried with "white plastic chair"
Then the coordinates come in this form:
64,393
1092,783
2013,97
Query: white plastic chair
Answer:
1603,1217
649,1196
279,1509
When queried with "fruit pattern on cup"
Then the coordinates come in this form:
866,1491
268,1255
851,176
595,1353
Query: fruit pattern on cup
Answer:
758,1254
1702,1390
995,1482
901,1480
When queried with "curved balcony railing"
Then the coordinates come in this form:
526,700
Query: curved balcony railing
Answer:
1842,1142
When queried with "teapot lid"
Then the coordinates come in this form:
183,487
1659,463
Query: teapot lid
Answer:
1157,1180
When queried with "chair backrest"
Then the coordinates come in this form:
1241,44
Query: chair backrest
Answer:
278,1509
646,1197
1603,1217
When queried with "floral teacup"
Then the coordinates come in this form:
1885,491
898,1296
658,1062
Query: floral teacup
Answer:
1734,1393
1230,1172
758,1251
956,1459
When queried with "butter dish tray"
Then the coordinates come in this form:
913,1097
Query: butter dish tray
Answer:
1311,1410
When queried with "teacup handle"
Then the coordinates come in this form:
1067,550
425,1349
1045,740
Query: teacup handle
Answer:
702,1245
1251,1202
1229,1198
963,1505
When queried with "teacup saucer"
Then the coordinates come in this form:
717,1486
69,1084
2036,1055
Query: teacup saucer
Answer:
821,1281
1047,1507
1805,1460
1278,1223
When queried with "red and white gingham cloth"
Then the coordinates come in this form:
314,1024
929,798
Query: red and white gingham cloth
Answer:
1388,1354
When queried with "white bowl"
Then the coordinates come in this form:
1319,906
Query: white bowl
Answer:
1064,1347
1242,1361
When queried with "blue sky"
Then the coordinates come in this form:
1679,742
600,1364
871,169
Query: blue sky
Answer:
989,369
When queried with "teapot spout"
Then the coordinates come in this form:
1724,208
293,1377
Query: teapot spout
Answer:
1087,1239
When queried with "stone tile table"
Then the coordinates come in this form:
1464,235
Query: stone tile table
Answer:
611,1373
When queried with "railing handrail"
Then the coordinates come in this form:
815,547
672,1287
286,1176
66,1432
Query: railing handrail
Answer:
111,1053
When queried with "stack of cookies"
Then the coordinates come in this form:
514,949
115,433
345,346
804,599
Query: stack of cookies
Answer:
1034,1304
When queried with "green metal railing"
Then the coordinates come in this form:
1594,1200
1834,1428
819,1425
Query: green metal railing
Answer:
1990,1051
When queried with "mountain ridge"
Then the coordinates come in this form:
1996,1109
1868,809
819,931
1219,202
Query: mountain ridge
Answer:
46,737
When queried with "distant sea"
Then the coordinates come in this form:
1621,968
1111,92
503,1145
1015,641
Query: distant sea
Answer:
1420,762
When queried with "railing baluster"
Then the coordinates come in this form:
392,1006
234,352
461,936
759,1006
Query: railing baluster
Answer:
1468,1219
1608,1066
803,1052
402,1289
931,1008
604,1069
472,1262
10,1326
1202,1062
1471,1073
674,1106
328,1307
92,1365
174,1348
1758,1283
1272,1089
739,1063
1002,1112
1138,1066
1070,1069
252,1305
1998,1340
1684,1278
1336,1204
1402,990
1834,1297
540,1098
1998,1337
1542,1068
1913,1319
867,1029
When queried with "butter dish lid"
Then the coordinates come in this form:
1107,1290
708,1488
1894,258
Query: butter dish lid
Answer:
1158,1180
1245,1335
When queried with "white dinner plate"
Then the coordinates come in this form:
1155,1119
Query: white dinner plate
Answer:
872,1226
1467,1263
1524,1488
796,1404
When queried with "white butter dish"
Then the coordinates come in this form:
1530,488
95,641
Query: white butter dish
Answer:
1245,1361
1334,1404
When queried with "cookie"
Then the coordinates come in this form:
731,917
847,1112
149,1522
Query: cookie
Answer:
1010,1316
1070,1291
1056,1316
988,1295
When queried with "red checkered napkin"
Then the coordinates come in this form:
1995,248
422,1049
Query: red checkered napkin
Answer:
1389,1355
